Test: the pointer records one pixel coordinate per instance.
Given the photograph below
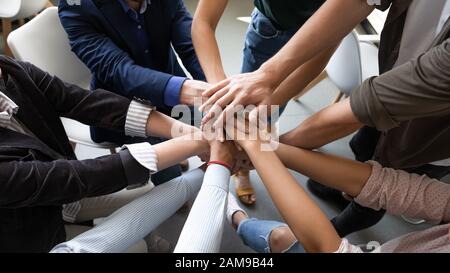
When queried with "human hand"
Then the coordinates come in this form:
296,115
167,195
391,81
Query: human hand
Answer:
224,152
247,133
192,90
254,88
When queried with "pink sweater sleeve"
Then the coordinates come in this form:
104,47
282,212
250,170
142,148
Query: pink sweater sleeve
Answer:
407,194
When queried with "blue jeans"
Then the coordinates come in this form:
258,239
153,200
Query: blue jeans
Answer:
263,40
256,235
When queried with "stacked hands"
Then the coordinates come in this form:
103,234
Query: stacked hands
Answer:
236,111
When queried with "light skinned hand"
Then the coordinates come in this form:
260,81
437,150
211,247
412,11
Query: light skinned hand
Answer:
253,88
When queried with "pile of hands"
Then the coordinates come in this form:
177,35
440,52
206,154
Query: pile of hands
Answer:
226,129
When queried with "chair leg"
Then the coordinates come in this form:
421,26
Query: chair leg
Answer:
73,144
113,151
7,28
338,97
310,86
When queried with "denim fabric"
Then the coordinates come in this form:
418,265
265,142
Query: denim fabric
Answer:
263,40
256,234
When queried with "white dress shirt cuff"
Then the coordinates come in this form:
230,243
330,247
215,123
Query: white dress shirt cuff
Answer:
145,155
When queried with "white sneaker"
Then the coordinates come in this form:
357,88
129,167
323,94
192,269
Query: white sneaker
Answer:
232,208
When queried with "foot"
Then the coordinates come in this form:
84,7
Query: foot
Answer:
235,214
244,189
157,244
184,165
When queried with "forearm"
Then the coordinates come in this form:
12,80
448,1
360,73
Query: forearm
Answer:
204,27
309,224
345,175
207,50
328,125
160,125
334,20
301,77
173,151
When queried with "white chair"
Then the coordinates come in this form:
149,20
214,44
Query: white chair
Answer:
11,10
353,62
44,43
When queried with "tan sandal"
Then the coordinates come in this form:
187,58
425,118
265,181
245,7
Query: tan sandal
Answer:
241,192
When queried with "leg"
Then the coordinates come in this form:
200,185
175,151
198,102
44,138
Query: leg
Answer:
75,230
74,145
354,217
7,28
134,221
262,236
244,189
338,97
268,236
103,206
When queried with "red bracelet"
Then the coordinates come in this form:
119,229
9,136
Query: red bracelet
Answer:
226,165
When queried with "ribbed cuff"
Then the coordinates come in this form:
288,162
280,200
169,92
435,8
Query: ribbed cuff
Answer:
137,117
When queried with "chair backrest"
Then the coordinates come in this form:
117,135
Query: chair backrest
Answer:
344,68
19,9
44,43
30,7
9,8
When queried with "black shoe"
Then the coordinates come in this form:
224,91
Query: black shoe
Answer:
355,218
327,193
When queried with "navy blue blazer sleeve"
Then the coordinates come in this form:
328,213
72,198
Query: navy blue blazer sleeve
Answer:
109,62
182,41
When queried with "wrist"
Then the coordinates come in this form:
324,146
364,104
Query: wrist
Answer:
270,76
221,157
187,93
286,138
250,145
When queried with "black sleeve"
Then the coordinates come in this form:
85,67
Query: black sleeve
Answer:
99,108
38,183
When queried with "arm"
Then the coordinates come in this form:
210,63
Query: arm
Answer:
328,125
110,63
329,25
417,89
41,183
326,27
94,108
182,41
205,22
301,77
294,204
202,232
373,186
